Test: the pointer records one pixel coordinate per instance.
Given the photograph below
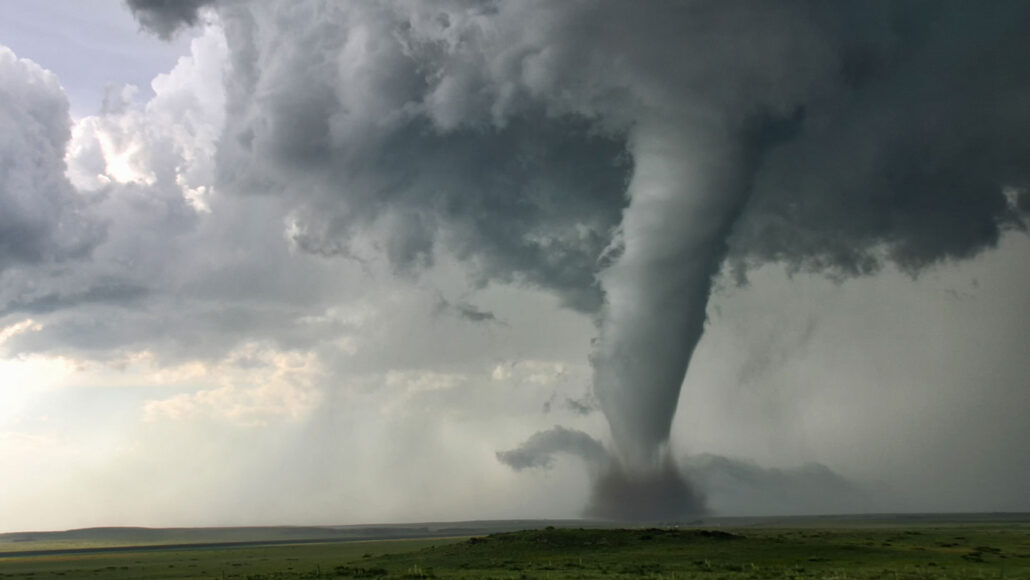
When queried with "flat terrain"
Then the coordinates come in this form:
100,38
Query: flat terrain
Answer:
884,547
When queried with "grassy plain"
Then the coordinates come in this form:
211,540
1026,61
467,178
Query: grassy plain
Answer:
824,550
317,560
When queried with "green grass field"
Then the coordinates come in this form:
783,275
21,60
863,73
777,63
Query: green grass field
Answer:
812,551
988,552
278,561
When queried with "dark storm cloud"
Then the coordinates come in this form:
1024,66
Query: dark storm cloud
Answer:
532,202
164,17
909,159
1023,201
354,126
864,134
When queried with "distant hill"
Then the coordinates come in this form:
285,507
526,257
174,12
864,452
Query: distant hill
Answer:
117,537
111,537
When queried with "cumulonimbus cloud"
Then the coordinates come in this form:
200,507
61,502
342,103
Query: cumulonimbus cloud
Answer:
621,155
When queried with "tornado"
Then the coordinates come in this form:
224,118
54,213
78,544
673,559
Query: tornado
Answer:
683,199
686,190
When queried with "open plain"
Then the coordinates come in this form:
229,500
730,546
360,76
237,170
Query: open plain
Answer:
856,547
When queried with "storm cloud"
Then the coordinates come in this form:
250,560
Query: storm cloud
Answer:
917,155
622,157
165,17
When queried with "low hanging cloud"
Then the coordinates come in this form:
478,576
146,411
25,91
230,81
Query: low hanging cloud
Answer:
736,487
538,451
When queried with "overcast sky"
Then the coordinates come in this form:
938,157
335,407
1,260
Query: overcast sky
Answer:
319,262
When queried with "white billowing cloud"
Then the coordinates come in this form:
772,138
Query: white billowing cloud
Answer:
146,170
43,218
173,134
111,147
128,164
